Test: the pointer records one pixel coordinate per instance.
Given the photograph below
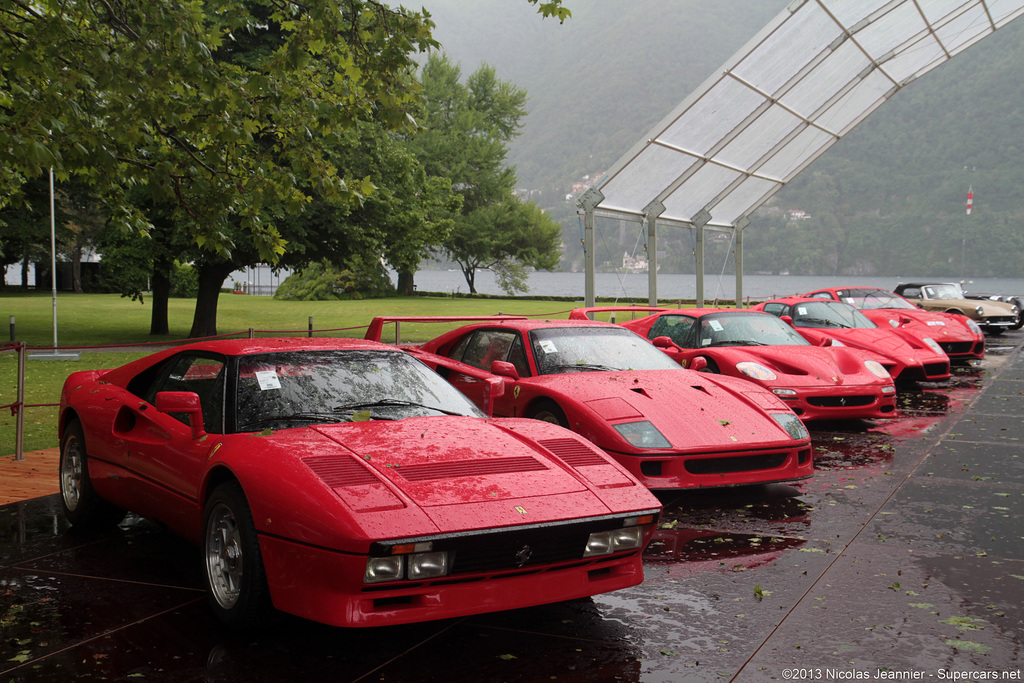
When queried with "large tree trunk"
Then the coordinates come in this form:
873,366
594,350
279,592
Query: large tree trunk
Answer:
211,278
406,286
76,268
161,283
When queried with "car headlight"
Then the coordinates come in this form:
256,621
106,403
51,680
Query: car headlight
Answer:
427,565
784,393
1015,310
792,424
412,561
642,435
888,390
380,569
608,542
756,371
973,326
980,311
933,345
876,369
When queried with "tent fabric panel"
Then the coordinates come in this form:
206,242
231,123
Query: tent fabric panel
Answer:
698,190
634,190
713,117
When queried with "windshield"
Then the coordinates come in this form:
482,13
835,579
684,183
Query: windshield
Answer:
747,329
867,299
946,291
585,349
296,388
828,314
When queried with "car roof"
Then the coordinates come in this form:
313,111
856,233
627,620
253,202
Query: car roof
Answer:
240,347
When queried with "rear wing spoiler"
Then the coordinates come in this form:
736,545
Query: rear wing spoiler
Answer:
588,313
376,328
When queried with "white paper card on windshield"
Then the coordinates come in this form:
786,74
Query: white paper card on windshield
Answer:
548,346
801,310
268,379
850,301
715,325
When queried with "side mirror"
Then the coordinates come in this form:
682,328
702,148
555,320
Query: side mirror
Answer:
494,387
698,363
788,319
183,402
503,368
664,343
825,341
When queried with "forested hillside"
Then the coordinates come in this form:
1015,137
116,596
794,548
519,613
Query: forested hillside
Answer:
889,199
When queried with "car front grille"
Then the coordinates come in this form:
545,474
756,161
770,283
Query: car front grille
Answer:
525,547
740,463
840,401
956,348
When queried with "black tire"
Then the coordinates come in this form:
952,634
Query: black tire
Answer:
712,367
84,509
236,583
548,411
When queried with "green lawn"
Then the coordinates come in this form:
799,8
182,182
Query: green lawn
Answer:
91,320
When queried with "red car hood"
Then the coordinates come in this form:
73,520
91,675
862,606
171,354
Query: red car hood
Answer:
806,365
923,324
877,339
453,462
693,411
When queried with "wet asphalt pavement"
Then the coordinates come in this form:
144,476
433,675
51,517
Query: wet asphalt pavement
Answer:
902,559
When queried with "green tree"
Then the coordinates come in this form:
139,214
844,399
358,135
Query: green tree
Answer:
467,128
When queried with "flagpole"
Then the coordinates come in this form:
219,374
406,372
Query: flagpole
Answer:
53,259
963,238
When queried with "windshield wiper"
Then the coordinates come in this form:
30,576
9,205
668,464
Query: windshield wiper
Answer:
391,402
585,366
294,417
737,342
822,321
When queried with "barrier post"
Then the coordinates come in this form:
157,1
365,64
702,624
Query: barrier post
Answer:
19,447
12,329
252,333
310,326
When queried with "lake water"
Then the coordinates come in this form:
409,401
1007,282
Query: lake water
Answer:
674,285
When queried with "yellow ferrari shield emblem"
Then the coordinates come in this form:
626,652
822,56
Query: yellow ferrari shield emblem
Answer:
515,392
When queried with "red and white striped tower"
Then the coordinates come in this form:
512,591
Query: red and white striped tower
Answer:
970,198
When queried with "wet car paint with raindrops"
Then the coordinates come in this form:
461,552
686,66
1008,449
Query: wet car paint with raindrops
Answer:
903,553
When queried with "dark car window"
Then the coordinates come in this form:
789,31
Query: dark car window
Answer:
202,375
292,389
777,309
483,347
678,328
747,328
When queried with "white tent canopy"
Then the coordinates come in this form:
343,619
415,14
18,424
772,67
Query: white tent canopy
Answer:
811,75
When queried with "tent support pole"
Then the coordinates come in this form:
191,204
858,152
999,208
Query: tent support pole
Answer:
590,199
651,213
699,221
738,228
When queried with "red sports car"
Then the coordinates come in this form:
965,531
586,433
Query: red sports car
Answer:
672,428
343,481
820,321
817,382
959,336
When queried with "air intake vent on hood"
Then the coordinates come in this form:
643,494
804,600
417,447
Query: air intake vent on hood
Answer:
573,452
340,471
469,468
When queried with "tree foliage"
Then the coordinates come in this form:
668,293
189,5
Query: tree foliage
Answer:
170,95
467,128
